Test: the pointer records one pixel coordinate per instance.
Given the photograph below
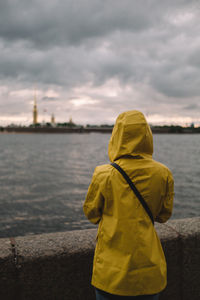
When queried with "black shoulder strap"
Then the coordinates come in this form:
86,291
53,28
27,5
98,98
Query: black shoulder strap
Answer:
135,190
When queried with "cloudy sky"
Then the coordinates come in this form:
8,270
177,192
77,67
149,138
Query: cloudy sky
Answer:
92,59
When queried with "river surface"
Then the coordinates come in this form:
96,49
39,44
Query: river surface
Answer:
44,178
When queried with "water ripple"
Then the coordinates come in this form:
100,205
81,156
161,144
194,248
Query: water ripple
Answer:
44,178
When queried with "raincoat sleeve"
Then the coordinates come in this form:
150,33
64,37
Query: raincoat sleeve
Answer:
167,203
93,205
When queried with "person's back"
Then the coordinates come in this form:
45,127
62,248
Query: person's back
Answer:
129,260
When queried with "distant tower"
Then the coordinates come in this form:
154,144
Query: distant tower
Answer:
70,120
35,111
52,119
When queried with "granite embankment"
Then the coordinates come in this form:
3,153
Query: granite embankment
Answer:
57,266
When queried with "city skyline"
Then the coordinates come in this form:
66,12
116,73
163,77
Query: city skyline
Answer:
94,59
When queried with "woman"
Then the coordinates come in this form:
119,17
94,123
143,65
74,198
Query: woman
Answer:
129,262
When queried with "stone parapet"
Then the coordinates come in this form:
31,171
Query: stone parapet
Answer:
58,266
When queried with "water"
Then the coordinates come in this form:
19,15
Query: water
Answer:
44,178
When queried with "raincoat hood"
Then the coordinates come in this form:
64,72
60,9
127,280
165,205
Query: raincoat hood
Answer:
131,135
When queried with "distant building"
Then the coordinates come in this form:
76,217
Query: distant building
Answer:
35,111
52,120
70,121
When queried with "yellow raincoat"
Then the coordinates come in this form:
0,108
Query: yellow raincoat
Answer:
129,259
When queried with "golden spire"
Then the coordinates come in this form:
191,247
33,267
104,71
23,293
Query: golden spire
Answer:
70,120
35,111
52,119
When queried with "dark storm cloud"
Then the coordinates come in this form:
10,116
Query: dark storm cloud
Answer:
71,22
49,98
191,107
149,45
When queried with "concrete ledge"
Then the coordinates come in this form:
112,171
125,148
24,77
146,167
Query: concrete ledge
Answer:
7,271
189,256
59,265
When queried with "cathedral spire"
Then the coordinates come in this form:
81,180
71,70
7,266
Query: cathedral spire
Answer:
52,119
35,111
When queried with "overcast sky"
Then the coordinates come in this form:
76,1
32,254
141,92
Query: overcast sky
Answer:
93,59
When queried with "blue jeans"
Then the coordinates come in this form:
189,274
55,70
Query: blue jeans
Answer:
101,295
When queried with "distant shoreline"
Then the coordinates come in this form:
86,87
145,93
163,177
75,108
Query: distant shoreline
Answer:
58,130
